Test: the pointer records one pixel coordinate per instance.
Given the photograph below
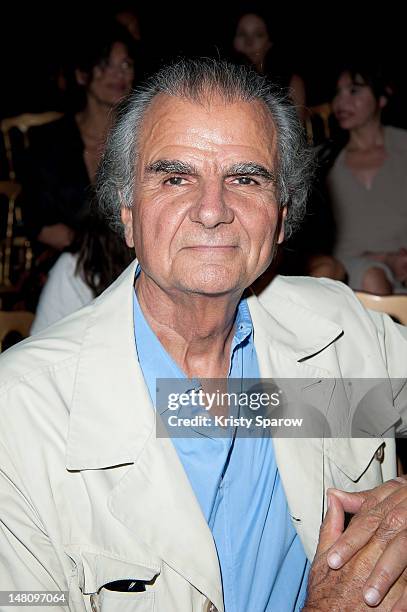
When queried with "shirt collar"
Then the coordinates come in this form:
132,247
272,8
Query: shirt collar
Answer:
243,325
156,362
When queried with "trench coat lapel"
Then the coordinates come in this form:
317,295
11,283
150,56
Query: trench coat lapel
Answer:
113,423
288,334
166,516
294,348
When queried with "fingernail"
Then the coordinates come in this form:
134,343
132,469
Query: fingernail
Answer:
328,498
334,561
372,596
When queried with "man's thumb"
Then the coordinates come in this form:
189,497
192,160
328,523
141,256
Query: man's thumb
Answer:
351,502
333,524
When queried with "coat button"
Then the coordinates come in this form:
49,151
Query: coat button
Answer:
379,454
210,607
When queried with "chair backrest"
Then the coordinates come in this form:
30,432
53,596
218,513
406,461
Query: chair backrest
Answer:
393,305
22,123
18,322
15,248
317,122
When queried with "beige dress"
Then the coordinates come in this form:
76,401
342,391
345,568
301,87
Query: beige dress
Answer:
373,219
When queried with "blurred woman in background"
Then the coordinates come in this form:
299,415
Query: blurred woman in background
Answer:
253,44
95,259
63,155
367,184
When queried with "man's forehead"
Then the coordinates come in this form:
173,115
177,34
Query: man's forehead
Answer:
215,103
172,120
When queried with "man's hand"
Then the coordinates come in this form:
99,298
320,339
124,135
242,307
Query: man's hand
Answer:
342,590
380,520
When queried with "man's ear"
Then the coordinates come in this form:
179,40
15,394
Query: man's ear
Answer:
126,214
281,232
382,101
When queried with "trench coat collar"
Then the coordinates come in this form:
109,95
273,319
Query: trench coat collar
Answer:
290,325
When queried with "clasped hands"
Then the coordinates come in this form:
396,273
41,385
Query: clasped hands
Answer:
364,566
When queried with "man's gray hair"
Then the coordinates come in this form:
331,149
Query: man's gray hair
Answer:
197,81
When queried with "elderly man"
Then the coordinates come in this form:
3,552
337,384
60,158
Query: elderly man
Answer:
205,167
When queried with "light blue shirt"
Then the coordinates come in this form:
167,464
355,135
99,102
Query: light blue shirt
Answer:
237,483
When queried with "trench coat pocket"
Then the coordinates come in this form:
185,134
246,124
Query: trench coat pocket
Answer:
115,601
100,572
353,457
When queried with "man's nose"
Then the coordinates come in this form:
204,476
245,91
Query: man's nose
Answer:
210,208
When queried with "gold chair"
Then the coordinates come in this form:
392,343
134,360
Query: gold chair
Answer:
22,123
318,114
393,305
15,249
11,243
18,322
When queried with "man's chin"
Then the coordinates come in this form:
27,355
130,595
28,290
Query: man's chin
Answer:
214,291
212,282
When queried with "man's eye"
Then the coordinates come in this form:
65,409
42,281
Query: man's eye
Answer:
244,180
175,180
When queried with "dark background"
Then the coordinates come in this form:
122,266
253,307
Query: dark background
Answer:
34,36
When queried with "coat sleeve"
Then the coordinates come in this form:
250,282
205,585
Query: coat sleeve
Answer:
28,560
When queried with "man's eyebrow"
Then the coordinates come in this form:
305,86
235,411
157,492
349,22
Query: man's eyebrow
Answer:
168,166
251,169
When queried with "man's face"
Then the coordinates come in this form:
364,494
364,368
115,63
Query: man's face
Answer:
205,217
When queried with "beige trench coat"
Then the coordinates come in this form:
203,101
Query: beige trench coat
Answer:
90,495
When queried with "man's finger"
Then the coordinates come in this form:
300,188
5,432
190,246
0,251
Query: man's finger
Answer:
387,570
333,524
401,604
352,502
364,525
